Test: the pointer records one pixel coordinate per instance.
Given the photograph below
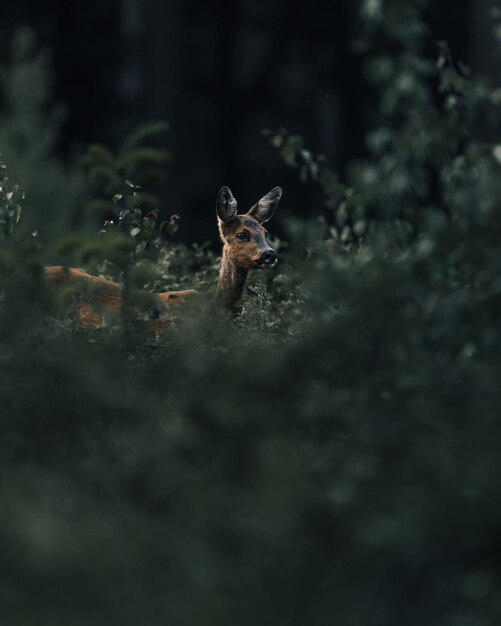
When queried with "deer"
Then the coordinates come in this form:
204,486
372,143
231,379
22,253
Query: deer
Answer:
245,248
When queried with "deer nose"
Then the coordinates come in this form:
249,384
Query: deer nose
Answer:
268,258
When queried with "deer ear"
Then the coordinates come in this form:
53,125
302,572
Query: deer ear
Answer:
226,205
265,208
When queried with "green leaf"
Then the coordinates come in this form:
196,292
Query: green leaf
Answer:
292,147
171,227
131,185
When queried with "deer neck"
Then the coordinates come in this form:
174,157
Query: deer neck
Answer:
231,282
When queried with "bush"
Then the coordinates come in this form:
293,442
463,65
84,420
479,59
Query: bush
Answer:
30,126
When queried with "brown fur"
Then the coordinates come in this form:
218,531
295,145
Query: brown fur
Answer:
239,256
108,296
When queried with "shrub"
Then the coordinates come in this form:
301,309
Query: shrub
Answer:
30,126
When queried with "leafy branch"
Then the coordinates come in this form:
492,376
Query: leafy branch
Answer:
10,208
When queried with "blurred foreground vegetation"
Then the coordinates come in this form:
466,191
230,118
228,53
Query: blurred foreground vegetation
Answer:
331,455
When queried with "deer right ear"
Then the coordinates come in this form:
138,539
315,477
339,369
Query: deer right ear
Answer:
226,205
265,208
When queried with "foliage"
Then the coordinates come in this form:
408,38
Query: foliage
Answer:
131,239
130,212
331,456
139,160
10,209
418,147
29,131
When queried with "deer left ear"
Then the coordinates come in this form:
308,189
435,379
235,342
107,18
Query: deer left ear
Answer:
226,205
266,207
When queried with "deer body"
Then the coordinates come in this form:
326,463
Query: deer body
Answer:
244,248
107,295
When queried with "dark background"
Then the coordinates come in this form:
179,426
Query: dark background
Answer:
220,72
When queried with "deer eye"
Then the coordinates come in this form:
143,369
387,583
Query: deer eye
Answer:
242,236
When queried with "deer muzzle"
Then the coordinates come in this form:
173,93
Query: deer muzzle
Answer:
268,258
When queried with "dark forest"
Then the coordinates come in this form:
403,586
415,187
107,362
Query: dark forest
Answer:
250,306
220,73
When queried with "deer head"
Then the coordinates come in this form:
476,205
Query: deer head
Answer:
243,234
